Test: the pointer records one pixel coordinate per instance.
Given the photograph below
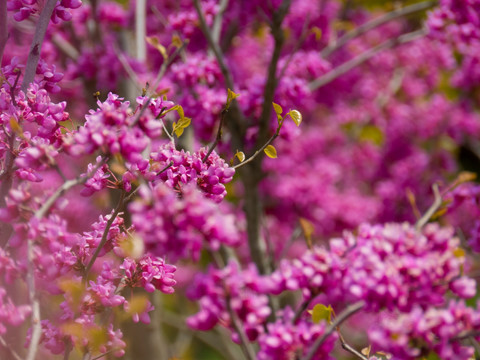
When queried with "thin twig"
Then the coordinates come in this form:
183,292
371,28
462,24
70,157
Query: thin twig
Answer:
365,56
65,47
36,47
475,344
217,22
9,348
372,24
166,64
344,315
36,324
245,344
214,46
62,189
128,69
298,45
160,75
301,309
259,151
105,234
465,335
353,351
176,321
433,208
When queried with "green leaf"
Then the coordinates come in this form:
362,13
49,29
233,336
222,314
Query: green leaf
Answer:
270,151
240,156
152,40
296,116
321,312
278,108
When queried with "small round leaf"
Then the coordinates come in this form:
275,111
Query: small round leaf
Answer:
270,151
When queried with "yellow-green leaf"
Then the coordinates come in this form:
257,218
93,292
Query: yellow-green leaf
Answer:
97,337
321,312
317,32
372,134
184,122
296,116
270,151
459,252
307,228
178,131
230,97
15,126
240,156
173,108
278,109
180,111
466,176
176,41
152,40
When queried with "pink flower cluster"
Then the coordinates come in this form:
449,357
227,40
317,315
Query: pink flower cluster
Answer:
179,225
410,335
286,339
210,175
391,266
25,8
226,293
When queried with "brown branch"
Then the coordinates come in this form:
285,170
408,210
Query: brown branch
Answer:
272,81
3,28
36,47
372,24
365,56
344,315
